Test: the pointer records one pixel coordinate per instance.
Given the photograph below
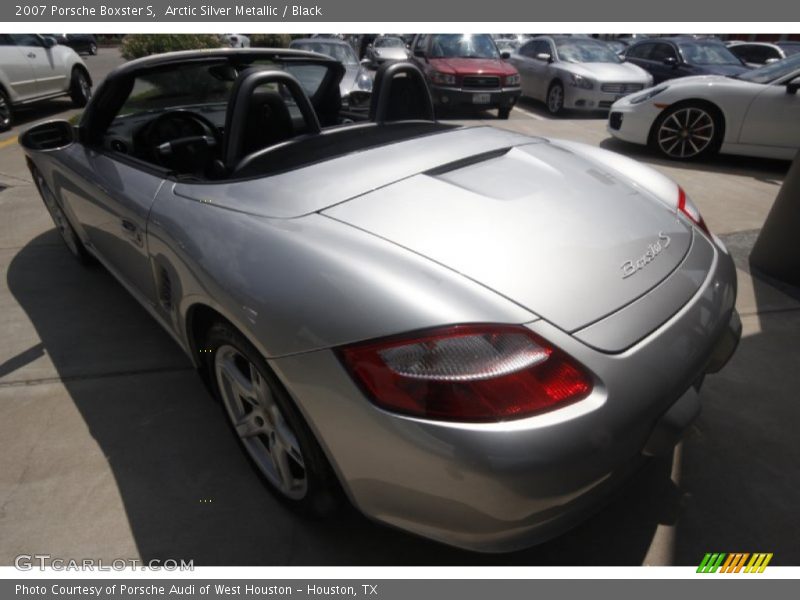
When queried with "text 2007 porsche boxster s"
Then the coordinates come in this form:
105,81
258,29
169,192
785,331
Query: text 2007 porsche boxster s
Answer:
471,334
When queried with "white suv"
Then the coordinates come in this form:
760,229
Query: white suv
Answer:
35,67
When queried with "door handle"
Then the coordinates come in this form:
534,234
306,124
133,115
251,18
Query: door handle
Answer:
31,55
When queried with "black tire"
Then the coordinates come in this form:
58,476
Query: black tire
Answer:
92,48
320,494
555,99
503,112
687,131
80,90
6,114
61,221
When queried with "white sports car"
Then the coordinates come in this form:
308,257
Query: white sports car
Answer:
756,113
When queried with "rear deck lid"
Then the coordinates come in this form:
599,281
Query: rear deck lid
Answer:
561,236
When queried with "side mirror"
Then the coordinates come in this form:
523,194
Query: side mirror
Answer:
51,135
671,61
544,56
505,55
419,52
49,41
793,86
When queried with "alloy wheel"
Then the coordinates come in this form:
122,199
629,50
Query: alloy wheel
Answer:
58,216
555,99
259,422
686,132
5,113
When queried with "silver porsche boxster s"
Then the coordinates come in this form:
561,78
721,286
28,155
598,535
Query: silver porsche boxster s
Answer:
471,334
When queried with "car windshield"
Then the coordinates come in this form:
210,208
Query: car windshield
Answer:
707,53
773,71
389,42
341,52
463,46
790,49
586,51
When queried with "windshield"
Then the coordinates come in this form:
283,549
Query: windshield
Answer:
586,51
463,46
389,42
790,49
773,71
707,53
341,52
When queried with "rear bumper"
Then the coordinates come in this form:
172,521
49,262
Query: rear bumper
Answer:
504,486
494,98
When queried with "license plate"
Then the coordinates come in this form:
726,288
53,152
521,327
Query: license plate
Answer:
481,98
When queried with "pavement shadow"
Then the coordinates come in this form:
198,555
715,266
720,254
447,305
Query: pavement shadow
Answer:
25,115
188,490
740,471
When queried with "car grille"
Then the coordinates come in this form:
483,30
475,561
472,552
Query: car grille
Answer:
621,88
615,120
481,82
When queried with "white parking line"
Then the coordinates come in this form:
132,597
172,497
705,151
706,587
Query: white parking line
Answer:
530,114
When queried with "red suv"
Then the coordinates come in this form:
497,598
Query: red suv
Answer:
467,69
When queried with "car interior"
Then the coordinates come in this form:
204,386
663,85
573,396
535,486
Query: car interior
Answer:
251,120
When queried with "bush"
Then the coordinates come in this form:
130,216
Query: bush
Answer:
138,45
270,40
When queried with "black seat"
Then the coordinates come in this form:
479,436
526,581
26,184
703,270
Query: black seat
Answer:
400,93
268,121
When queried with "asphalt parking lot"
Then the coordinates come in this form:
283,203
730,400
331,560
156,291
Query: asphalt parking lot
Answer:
110,447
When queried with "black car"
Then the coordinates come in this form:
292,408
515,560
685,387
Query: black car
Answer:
80,42
671,57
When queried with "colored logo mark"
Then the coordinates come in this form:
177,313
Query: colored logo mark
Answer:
735,562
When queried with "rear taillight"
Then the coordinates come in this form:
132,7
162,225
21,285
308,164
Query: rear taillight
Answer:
687,207
475,373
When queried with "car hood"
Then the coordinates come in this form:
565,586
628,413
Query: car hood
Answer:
470,66
609,72
721,69
348,82
539,224
390,53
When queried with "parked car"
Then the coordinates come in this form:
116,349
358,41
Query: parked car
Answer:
235,40
756,54
568,72
507,45
35,68
475,334
467,70
386,48
80,42
672,57
356,85
755,113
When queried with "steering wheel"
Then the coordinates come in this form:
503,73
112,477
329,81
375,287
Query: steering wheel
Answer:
181,140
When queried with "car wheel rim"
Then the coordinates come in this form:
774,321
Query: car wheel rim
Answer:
555,99
58,216
92,49
259,422
5,112
685,133
86,90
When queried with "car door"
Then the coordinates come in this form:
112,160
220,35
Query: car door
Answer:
773,118
539,69
522,60
50,75
17,69
664,62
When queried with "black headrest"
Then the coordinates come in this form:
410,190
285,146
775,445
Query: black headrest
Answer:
400,93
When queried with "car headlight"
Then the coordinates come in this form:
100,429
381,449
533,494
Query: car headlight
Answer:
651,93
443,78
512,80
364,82
581,81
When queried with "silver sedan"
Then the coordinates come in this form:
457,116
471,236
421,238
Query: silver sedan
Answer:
471,334
567,72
